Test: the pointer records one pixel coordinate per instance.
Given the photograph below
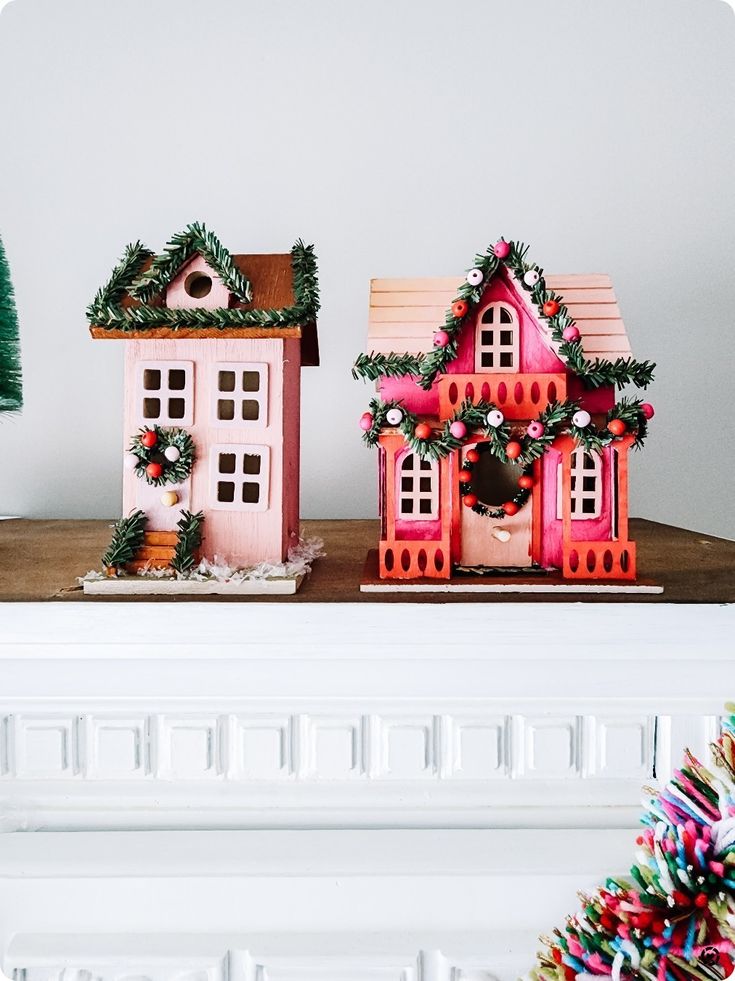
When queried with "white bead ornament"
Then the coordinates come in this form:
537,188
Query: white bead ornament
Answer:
531,277
495,418
475,277
581,419
394,417
130,461
172,453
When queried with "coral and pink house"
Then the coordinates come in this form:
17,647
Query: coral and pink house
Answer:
214,345
506,345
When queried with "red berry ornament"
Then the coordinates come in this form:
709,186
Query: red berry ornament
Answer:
550,308
511,508
472,456
154,470
469,500
149,438
422,431
441,338
647,410
459,308
464,476
513,450
366,421
525,482
617,427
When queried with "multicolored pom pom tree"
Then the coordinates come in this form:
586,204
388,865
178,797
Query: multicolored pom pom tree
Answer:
673,918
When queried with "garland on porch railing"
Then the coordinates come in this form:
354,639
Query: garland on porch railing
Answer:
673,917
509,442
550,308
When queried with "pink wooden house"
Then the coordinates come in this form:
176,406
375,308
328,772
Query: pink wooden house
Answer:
214,345
500,442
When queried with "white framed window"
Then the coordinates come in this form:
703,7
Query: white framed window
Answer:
586,486
239,477
240,394
418,489
165,392
496,338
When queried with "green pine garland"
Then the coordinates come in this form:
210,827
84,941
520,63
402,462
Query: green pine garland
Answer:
188,540
425,367
174,471
555,418
127,538
105,310
11,390
195,239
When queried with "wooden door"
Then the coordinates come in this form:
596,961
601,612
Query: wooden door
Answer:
482,538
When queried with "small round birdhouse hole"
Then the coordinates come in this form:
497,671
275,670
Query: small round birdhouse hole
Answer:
198,285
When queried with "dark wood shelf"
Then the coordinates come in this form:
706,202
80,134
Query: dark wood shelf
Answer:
40,560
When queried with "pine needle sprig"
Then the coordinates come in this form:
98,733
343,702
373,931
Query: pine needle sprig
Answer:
122,275
127,538
188,540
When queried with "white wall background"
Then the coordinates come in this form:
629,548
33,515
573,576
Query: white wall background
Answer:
400,138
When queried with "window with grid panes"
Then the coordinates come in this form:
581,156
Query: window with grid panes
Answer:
418,488
586,485
240,477
496,343
165,393
240,394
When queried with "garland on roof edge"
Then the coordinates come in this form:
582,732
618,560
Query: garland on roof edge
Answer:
673,917
550,307
105,310
195,239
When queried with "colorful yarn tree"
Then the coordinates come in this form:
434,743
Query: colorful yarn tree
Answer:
673,919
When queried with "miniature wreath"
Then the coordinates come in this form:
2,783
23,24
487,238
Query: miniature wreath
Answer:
161,456
471,500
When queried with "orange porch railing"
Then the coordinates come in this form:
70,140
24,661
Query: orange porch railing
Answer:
414,559
517,396
599,560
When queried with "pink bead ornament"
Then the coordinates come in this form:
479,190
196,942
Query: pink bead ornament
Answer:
458,429
501,249
535,429
441,338
648,410
571,333
366,421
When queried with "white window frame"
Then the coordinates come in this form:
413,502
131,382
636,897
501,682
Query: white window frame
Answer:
496,348
415,472
239,395
239,477
578,493
164,393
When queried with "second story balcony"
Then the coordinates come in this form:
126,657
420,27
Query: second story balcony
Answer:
518,396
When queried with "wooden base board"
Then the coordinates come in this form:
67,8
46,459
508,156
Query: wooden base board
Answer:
535,582
149,586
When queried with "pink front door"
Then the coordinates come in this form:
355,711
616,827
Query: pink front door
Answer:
495,542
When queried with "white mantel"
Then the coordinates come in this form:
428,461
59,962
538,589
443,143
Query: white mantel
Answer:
482,762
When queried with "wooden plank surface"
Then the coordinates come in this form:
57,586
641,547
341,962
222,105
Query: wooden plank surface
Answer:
39,560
